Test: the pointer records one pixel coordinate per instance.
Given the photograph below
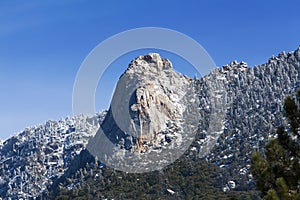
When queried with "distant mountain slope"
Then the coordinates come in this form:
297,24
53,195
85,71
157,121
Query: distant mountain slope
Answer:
32,159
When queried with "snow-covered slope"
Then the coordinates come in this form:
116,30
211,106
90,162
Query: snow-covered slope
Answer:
32,159
254,102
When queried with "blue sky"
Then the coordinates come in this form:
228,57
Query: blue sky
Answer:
43,43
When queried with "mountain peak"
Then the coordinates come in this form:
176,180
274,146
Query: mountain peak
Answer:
152,108
156,59
146,105
151,62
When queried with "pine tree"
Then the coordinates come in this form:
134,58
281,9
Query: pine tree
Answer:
277,172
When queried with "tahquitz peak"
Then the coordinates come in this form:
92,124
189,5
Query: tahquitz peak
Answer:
149,107
146,101
36,159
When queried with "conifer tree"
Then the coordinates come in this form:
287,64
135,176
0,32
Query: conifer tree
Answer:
277,172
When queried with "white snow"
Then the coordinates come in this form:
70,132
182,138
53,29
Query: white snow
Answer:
170,191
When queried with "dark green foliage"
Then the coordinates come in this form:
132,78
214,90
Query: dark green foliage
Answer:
277,172
188,178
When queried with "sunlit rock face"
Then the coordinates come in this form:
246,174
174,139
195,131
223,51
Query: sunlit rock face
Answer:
146,102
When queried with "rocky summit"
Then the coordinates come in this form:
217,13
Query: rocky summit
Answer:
237,110
146,115
146,102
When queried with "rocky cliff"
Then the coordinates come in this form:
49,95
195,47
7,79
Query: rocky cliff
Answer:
146,99
146,119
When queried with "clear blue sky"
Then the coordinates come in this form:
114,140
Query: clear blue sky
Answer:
42,44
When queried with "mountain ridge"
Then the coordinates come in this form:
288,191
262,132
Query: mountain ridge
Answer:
252,108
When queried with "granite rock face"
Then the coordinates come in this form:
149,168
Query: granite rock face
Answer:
147,100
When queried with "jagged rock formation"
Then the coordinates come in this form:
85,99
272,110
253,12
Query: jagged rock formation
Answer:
249,98
145,102
146,116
